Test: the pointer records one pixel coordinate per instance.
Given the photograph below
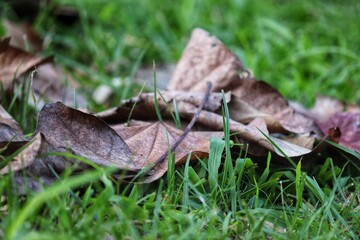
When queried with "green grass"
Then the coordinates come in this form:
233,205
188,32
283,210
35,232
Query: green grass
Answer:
301,47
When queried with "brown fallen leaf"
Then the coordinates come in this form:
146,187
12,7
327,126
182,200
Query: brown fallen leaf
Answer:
14,62
23,36
248,134
213,121
25,158
85,135
205,59
266,99
156,139
8,133
8,120
306,140
145,108
52,84
336,119
32,168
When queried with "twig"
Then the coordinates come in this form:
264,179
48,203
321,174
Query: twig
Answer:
189,126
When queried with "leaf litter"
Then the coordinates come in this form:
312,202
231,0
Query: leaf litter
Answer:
131,137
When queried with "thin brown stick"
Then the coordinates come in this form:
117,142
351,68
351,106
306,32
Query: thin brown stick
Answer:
189,126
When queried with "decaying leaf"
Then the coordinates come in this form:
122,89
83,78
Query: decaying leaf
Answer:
14,62
145,105
325,107
51,83
23,36
25,158
211,117
348,132
8,133
8,120
266,99
205,59
85,135
156,139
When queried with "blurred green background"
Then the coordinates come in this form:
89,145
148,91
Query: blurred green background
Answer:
301,47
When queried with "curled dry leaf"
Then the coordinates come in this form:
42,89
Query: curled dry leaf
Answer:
213,121
145,106
50,83
156,139
14,62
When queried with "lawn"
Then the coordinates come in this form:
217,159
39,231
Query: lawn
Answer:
302,48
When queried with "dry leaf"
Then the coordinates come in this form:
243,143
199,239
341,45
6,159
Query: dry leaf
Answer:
349,126
267,100
186,107
8,133
325,107
205,59
8,120
14,62
145,108
49,85
156,139
25,158
23,36
85,135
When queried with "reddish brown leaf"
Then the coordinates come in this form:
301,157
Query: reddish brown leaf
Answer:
213,121
325,107
348,125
